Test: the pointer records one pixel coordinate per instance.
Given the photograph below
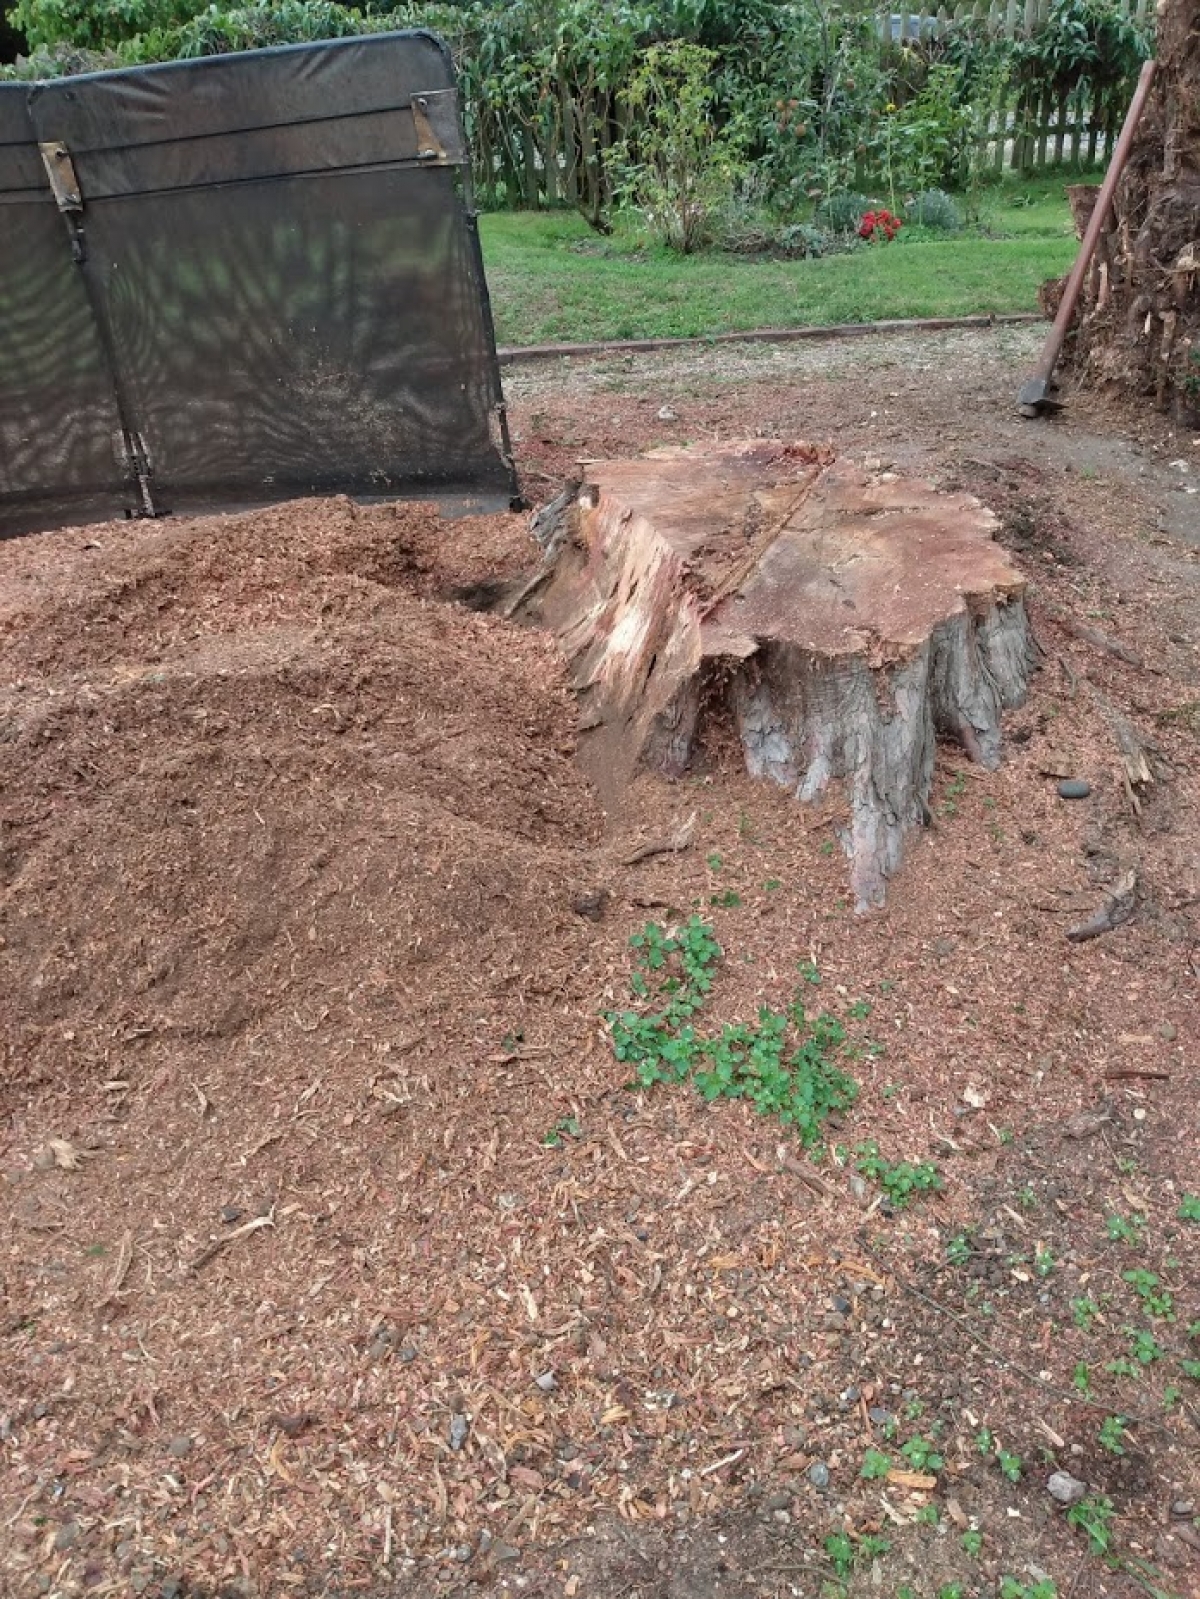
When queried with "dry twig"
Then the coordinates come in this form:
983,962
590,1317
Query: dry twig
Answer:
674,844
218,1244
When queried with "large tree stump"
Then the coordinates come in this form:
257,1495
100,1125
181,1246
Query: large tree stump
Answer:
842,617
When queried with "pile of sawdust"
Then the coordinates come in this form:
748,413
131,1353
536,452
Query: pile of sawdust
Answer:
245,773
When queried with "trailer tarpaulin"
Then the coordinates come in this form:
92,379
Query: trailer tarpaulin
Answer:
242,279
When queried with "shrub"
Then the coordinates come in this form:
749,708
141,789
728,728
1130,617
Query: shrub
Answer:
933,208
842,212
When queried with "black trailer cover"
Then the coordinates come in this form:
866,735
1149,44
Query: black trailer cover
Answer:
243,279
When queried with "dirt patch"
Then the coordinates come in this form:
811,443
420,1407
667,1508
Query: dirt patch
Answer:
339,1258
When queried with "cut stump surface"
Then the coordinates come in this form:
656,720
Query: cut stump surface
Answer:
843,617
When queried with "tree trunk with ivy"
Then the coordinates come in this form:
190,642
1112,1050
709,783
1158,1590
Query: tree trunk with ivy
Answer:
1139,322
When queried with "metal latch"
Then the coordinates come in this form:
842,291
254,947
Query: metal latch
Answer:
60,169
429,146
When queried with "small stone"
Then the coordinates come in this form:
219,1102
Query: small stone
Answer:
818,1475
591,905
1183,1508
858,1187
841,1304
180,1447
547,1382
879,1415
172,1588
1066,1489
780,1500
460,1428
665,414
463,1553
1168,1032
1074,788
408,1355
231,1213
66,1535
504,1551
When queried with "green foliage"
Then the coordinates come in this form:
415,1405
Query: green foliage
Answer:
972,1543
675,168
922,1454
808,95
1010,1465
783,1063
1086,49
1148,1287
1189,1208
1092,1516
958,1250
564,1127
1081,1378
1084,1312
875,1465
934,208
1145,1348
1013,1588
1124,1230
1043,1261
1112,1435
86,25
901,1180
840,1552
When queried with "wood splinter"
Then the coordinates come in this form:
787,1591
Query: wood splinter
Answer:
1120,902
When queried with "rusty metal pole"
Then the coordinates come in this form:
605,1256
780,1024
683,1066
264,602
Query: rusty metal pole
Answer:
1033,398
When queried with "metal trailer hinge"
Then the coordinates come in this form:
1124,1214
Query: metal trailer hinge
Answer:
60,169
429,144
139,469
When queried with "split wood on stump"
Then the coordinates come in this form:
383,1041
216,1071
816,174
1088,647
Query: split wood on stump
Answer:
843,617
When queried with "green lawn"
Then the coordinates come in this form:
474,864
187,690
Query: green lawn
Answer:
553,280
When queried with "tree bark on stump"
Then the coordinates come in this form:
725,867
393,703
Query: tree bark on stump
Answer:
843,618
1139,322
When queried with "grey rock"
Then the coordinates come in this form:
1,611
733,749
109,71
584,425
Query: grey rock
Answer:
879,1415
408,1355
781,1499
180,1447
818,1475
1074,788
1183,1508
665,414
504,1551
841,1304
66,1535
460,1429
547,1382
1066,1489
